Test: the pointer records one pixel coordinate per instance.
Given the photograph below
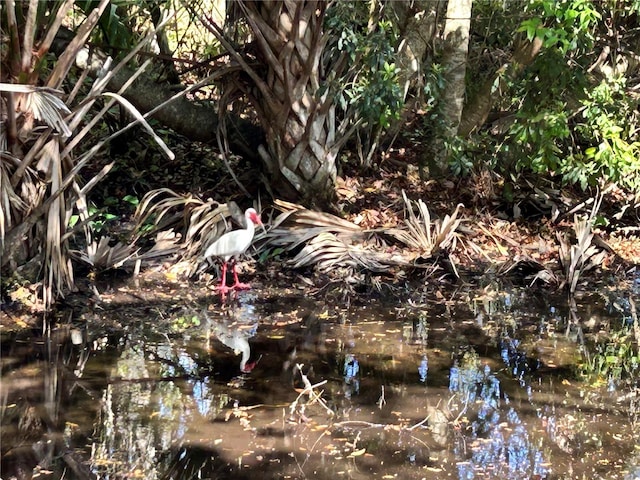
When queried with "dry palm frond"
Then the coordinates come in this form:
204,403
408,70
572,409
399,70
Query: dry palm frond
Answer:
580,257
328,251
198,223
422,234
41,102
583,255
105,257
327,242
165,244
12,206
34,215
296,225
58,269
529,267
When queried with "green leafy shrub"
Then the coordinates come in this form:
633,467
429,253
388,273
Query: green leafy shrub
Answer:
560,119
368,90
610,127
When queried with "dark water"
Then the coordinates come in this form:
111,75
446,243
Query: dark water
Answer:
471,384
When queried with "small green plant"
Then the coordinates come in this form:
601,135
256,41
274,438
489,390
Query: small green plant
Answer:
610,121
270,254
614,359
565,26
180,324
100,217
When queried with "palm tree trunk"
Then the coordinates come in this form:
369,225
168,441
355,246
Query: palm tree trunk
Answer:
282,79
301,148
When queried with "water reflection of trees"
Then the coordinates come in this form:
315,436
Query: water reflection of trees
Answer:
493,441
42,386
164,390
494,396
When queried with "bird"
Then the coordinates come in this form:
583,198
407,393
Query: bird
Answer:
238,340
235,334
230,246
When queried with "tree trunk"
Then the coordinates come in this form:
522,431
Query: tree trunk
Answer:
477,110
282,79
454,62
301,148
418,22
197,122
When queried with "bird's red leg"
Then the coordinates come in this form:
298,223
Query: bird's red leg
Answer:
223,280
237,284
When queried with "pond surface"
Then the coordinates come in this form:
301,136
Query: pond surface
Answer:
158,383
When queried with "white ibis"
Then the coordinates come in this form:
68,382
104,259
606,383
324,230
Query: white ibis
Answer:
238,340
230,246
236,337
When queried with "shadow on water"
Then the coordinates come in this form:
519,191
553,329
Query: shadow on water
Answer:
489,383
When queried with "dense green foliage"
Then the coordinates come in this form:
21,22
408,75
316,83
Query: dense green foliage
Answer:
565,117
368,89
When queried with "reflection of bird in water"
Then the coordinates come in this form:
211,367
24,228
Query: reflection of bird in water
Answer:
236,336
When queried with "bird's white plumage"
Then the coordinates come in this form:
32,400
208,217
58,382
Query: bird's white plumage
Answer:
235,243
232,245
238,340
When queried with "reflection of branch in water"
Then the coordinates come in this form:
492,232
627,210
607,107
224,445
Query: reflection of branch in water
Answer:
634,317
348,423
313,396
313,447
381,400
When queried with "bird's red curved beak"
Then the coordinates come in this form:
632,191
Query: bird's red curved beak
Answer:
248,367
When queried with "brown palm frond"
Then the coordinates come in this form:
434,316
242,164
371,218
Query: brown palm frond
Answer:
41,102
12,206
327,251
446,235
165,244
313,217
164,212
582,255
41,190
424,235
530,268
105,256
327,242
297,225
58,270
195,222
